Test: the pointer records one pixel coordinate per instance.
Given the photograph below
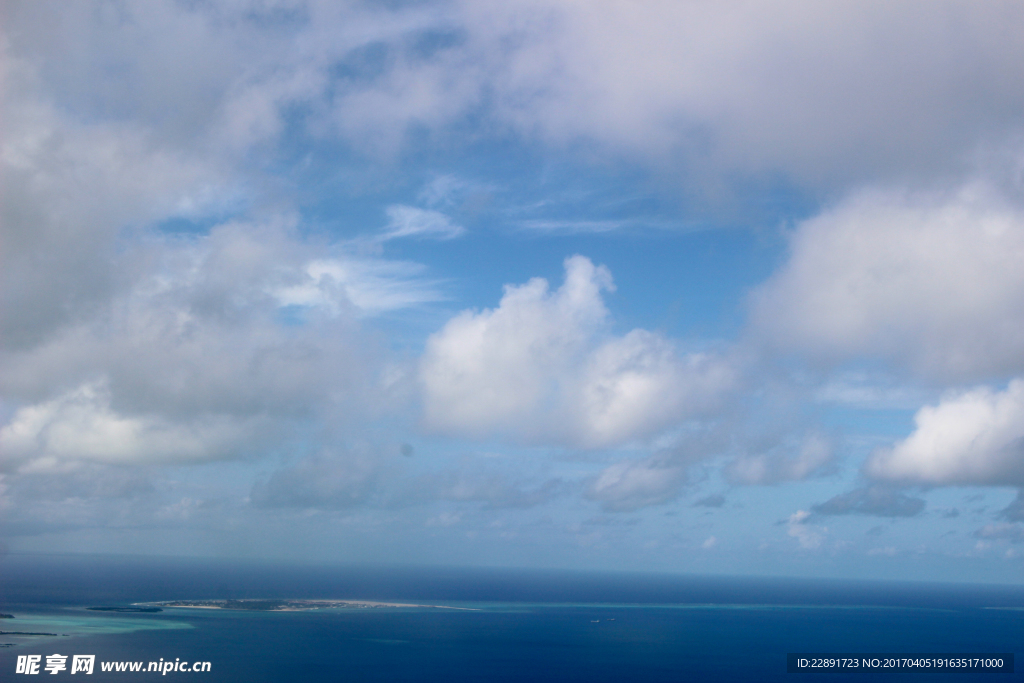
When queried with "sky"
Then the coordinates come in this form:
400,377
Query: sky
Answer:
692,287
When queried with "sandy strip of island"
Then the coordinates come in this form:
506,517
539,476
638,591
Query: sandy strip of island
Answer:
299,605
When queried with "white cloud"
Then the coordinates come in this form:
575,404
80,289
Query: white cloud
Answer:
122,344
371,286
868,391
826,93
81,426
71,194
194,357
541,368
630,485
119,345
929,281
639,384
807,535
833,91
790,461
410,221
974,437
495,369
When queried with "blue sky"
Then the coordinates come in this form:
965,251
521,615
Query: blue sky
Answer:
719,288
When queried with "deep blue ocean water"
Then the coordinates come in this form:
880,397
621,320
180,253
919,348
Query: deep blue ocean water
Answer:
524,625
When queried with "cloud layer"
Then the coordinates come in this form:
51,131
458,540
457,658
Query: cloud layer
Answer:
839,92
223,227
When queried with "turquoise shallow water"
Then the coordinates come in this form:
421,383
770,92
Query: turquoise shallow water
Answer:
77,622
605,628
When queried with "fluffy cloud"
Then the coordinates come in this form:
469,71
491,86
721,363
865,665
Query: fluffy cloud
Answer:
974,437
70,192
838,91
927,281
218,346
541,368
81,426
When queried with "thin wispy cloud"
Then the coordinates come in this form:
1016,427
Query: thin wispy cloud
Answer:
410,221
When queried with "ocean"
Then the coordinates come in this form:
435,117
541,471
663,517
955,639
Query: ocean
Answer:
514,625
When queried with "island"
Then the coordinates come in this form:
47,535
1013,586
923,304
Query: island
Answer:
262,605
125,609
6,616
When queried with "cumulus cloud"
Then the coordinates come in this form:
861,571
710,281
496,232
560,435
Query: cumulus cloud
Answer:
928,281
871,500
120,342
81,426
70,190
541,368
219,346
857,90
973,437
